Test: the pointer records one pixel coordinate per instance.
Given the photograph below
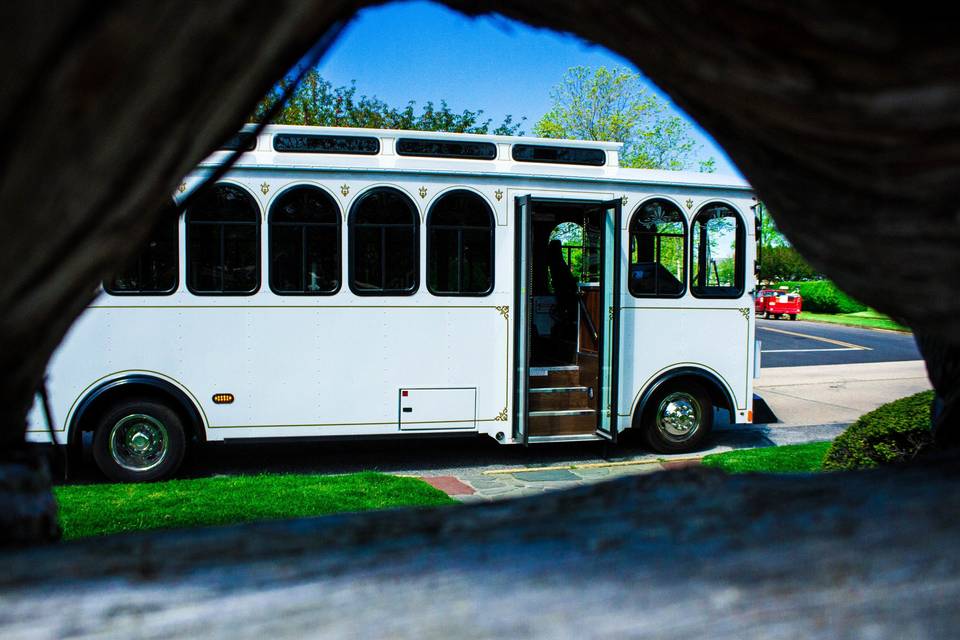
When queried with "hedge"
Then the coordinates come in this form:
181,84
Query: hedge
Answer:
822,296
895,432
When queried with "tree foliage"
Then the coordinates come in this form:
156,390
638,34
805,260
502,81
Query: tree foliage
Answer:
317,102
779,260
614,105
785,263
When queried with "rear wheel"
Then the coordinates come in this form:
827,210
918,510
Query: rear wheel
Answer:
139,441
793,316
678,418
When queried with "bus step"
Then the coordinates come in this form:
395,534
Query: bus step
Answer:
582,437
562,413
554,377
568,422
561,398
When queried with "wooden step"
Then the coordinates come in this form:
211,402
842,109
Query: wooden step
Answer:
572,422
554,398
554,377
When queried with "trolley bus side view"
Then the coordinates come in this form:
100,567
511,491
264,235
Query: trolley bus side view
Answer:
372,283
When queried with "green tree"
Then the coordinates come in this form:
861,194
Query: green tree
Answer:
614,105
317,102
778,259
785,263
771,235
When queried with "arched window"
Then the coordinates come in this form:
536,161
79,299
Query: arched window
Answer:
717,241
223,242
460,245
658,250
304,242
384,244
153,270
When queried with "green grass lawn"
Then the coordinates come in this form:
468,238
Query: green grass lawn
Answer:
867,319
792,458
93,510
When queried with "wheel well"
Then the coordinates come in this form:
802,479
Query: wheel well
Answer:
715,390
98,401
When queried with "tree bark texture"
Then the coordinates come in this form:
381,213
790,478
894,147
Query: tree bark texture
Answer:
678,554
844,118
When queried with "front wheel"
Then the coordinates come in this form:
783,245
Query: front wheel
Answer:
678,419
139,441
793,316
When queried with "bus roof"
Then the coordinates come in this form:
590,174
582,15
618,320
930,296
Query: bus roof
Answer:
351,149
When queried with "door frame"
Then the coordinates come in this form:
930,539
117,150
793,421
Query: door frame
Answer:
522,318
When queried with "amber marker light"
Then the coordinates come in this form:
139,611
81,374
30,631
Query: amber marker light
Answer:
222,398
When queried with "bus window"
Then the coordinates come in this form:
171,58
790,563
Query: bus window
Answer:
717,248
153,270
384,244
223,243
460,246
304,242
658,245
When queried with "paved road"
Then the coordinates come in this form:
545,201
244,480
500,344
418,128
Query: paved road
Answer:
799,343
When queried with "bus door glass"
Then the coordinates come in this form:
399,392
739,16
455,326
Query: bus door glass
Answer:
609,318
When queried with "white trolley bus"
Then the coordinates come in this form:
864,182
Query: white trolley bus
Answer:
347,282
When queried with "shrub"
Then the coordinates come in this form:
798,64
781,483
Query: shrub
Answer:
895,432
822,296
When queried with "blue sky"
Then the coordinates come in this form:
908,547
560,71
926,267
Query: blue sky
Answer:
422,51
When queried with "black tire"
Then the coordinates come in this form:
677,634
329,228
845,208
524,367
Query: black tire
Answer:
674,434
139,441
793,316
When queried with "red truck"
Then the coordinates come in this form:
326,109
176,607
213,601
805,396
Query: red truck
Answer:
774,303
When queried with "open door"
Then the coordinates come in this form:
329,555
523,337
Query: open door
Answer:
521,319
609,328
566,320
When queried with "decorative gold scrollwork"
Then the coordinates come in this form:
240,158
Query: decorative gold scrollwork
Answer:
689,203
624,200
344,189
265,188
745,312
498,194
423,192
502,416
504,311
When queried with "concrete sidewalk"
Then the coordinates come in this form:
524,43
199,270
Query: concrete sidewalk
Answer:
838,393
813,403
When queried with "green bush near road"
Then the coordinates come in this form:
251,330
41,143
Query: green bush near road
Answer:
100,509
822,296
895,432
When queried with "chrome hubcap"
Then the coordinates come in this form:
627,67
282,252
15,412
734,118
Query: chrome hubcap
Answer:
678,416
139,442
